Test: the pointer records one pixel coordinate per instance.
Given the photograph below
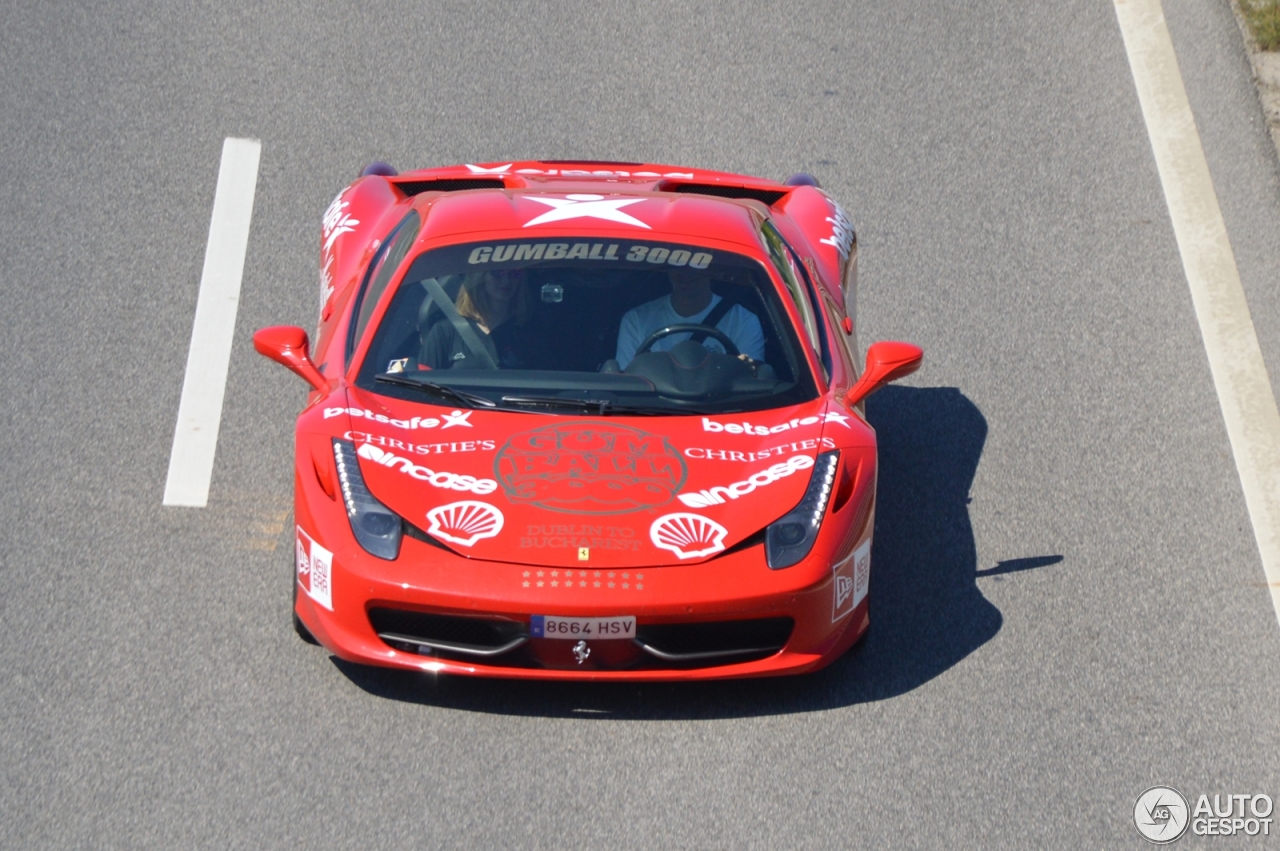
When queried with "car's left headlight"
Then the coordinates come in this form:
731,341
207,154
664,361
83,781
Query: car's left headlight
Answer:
790,538
376,527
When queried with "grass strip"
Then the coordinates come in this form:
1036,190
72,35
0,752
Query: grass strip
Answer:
1263,18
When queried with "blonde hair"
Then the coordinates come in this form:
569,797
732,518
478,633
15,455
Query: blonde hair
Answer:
473,299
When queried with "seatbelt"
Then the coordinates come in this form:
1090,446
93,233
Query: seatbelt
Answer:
462,326
712,319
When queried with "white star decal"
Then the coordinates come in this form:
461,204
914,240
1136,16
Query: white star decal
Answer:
457,418
475,169
833,417
586,207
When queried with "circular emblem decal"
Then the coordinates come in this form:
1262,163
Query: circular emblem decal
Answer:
589,468
1161,814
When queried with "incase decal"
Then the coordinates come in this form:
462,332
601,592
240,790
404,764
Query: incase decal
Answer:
717,494
449,481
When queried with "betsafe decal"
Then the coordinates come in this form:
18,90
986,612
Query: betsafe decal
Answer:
590,468
746,427
841,238
457,418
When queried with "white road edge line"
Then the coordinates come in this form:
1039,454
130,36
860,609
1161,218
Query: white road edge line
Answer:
1235,359
195,438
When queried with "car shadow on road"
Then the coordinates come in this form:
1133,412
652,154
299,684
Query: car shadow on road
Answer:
927,613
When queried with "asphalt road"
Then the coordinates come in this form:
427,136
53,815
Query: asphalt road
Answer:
1068,604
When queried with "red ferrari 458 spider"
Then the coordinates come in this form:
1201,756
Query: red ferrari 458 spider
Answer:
585,421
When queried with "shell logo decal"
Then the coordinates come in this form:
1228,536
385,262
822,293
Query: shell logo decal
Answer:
466,522
687,535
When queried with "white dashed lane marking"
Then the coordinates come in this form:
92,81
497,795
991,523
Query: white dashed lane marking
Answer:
1235,359
195,438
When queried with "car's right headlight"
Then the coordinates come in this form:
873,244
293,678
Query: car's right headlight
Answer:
376,527
790,538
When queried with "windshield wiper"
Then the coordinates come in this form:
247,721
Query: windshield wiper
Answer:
471,400
596,406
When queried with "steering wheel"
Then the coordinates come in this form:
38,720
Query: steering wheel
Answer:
690,328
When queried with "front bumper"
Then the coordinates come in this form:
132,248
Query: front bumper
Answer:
435,585
507,595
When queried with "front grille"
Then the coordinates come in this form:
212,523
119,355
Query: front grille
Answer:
766,196
450,635
450,184
507,643
714,642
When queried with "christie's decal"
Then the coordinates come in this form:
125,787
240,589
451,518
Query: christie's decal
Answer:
687,535
702,453
745,427
449,481
457,418
465,522
590,468
421,448
717,495
315,569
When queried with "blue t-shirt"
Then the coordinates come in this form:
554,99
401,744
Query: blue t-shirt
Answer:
740,324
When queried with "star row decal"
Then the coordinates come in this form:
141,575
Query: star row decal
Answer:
598,579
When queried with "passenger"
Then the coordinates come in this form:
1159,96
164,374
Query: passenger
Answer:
495,304
690,303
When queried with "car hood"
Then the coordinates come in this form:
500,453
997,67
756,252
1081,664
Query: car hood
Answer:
577,491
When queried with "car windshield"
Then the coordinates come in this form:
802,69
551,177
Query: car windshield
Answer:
629,327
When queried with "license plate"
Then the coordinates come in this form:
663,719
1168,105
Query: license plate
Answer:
551,626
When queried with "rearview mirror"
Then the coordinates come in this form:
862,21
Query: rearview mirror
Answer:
886,361
288,345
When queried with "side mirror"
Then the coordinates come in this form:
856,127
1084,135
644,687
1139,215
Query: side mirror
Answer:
288,345
886,361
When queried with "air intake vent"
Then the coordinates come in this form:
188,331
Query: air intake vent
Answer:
768,197
456,184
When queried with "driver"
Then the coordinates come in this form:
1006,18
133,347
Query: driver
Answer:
691,303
